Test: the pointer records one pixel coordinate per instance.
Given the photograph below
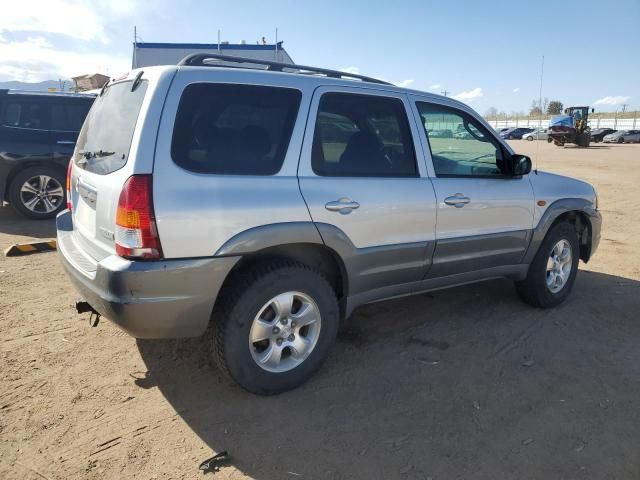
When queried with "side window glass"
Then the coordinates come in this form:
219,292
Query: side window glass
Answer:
12,114
234,129
69,117
35,116
26,114
362,136
460,146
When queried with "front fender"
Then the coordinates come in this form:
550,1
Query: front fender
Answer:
553,212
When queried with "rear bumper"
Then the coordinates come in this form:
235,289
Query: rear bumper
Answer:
160,299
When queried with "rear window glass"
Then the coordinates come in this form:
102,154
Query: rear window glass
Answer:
105,139
234,129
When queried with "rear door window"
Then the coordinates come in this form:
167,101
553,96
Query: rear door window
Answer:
234,129
362,136
105,139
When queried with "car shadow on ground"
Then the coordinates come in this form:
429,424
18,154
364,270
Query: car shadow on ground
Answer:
12,223
465,382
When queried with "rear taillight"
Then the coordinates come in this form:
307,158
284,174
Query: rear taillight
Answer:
69,169
136,233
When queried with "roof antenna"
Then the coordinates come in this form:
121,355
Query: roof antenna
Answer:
535,161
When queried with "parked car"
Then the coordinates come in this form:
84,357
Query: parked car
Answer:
598,134
623,136
539,134
515,133
38,132
218,200
444,133
462,135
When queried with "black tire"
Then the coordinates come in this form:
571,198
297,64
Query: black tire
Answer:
20,202
583,139
530,138
533,290
238,305
621,140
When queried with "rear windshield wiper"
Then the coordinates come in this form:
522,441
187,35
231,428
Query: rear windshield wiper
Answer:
88,155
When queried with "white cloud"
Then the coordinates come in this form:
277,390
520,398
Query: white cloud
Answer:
354,70
470,95
405,83
435,86
72,18
35,59
614,100
40,57
516,90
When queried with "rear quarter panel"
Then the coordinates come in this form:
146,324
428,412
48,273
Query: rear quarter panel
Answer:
197,213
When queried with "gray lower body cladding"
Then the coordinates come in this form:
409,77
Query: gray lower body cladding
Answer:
160,299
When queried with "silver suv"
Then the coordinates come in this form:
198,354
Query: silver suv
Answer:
263,207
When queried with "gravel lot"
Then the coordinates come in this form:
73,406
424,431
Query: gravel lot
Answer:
463,383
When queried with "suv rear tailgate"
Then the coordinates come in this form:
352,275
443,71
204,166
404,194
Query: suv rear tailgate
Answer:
117,140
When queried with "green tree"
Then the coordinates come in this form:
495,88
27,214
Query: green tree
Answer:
555,107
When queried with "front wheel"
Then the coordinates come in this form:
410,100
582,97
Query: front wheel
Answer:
553,271
530,139
273,326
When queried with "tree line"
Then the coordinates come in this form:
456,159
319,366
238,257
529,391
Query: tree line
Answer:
537,108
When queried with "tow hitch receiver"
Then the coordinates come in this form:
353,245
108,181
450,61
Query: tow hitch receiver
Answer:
84,307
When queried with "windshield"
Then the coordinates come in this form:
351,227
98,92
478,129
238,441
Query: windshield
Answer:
105,139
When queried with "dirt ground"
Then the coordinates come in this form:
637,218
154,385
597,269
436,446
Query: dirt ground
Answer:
464,383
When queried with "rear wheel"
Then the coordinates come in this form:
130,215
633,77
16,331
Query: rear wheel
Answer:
273,326
621,140
530,138
38,192
553,271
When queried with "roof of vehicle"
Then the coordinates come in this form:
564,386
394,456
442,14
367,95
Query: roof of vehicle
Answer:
47,94
314,75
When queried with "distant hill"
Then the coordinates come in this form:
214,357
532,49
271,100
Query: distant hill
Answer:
35,87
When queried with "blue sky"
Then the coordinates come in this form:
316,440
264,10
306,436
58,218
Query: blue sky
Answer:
487,53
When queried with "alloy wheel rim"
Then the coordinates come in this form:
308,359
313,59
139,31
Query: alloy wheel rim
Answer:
41,194
284,332
559,266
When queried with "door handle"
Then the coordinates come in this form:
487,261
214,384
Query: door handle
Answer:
66,142
343,205
458,200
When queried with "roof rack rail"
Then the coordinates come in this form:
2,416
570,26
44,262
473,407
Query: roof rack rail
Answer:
14,91
200,60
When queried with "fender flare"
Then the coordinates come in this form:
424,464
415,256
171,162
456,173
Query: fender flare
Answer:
270,235
554,211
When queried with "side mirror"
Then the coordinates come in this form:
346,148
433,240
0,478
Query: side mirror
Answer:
593,110
521,165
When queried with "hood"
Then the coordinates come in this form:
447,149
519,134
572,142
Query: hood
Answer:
551,187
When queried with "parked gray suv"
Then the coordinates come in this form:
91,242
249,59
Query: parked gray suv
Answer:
263,207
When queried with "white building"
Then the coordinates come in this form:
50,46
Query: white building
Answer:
149,54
